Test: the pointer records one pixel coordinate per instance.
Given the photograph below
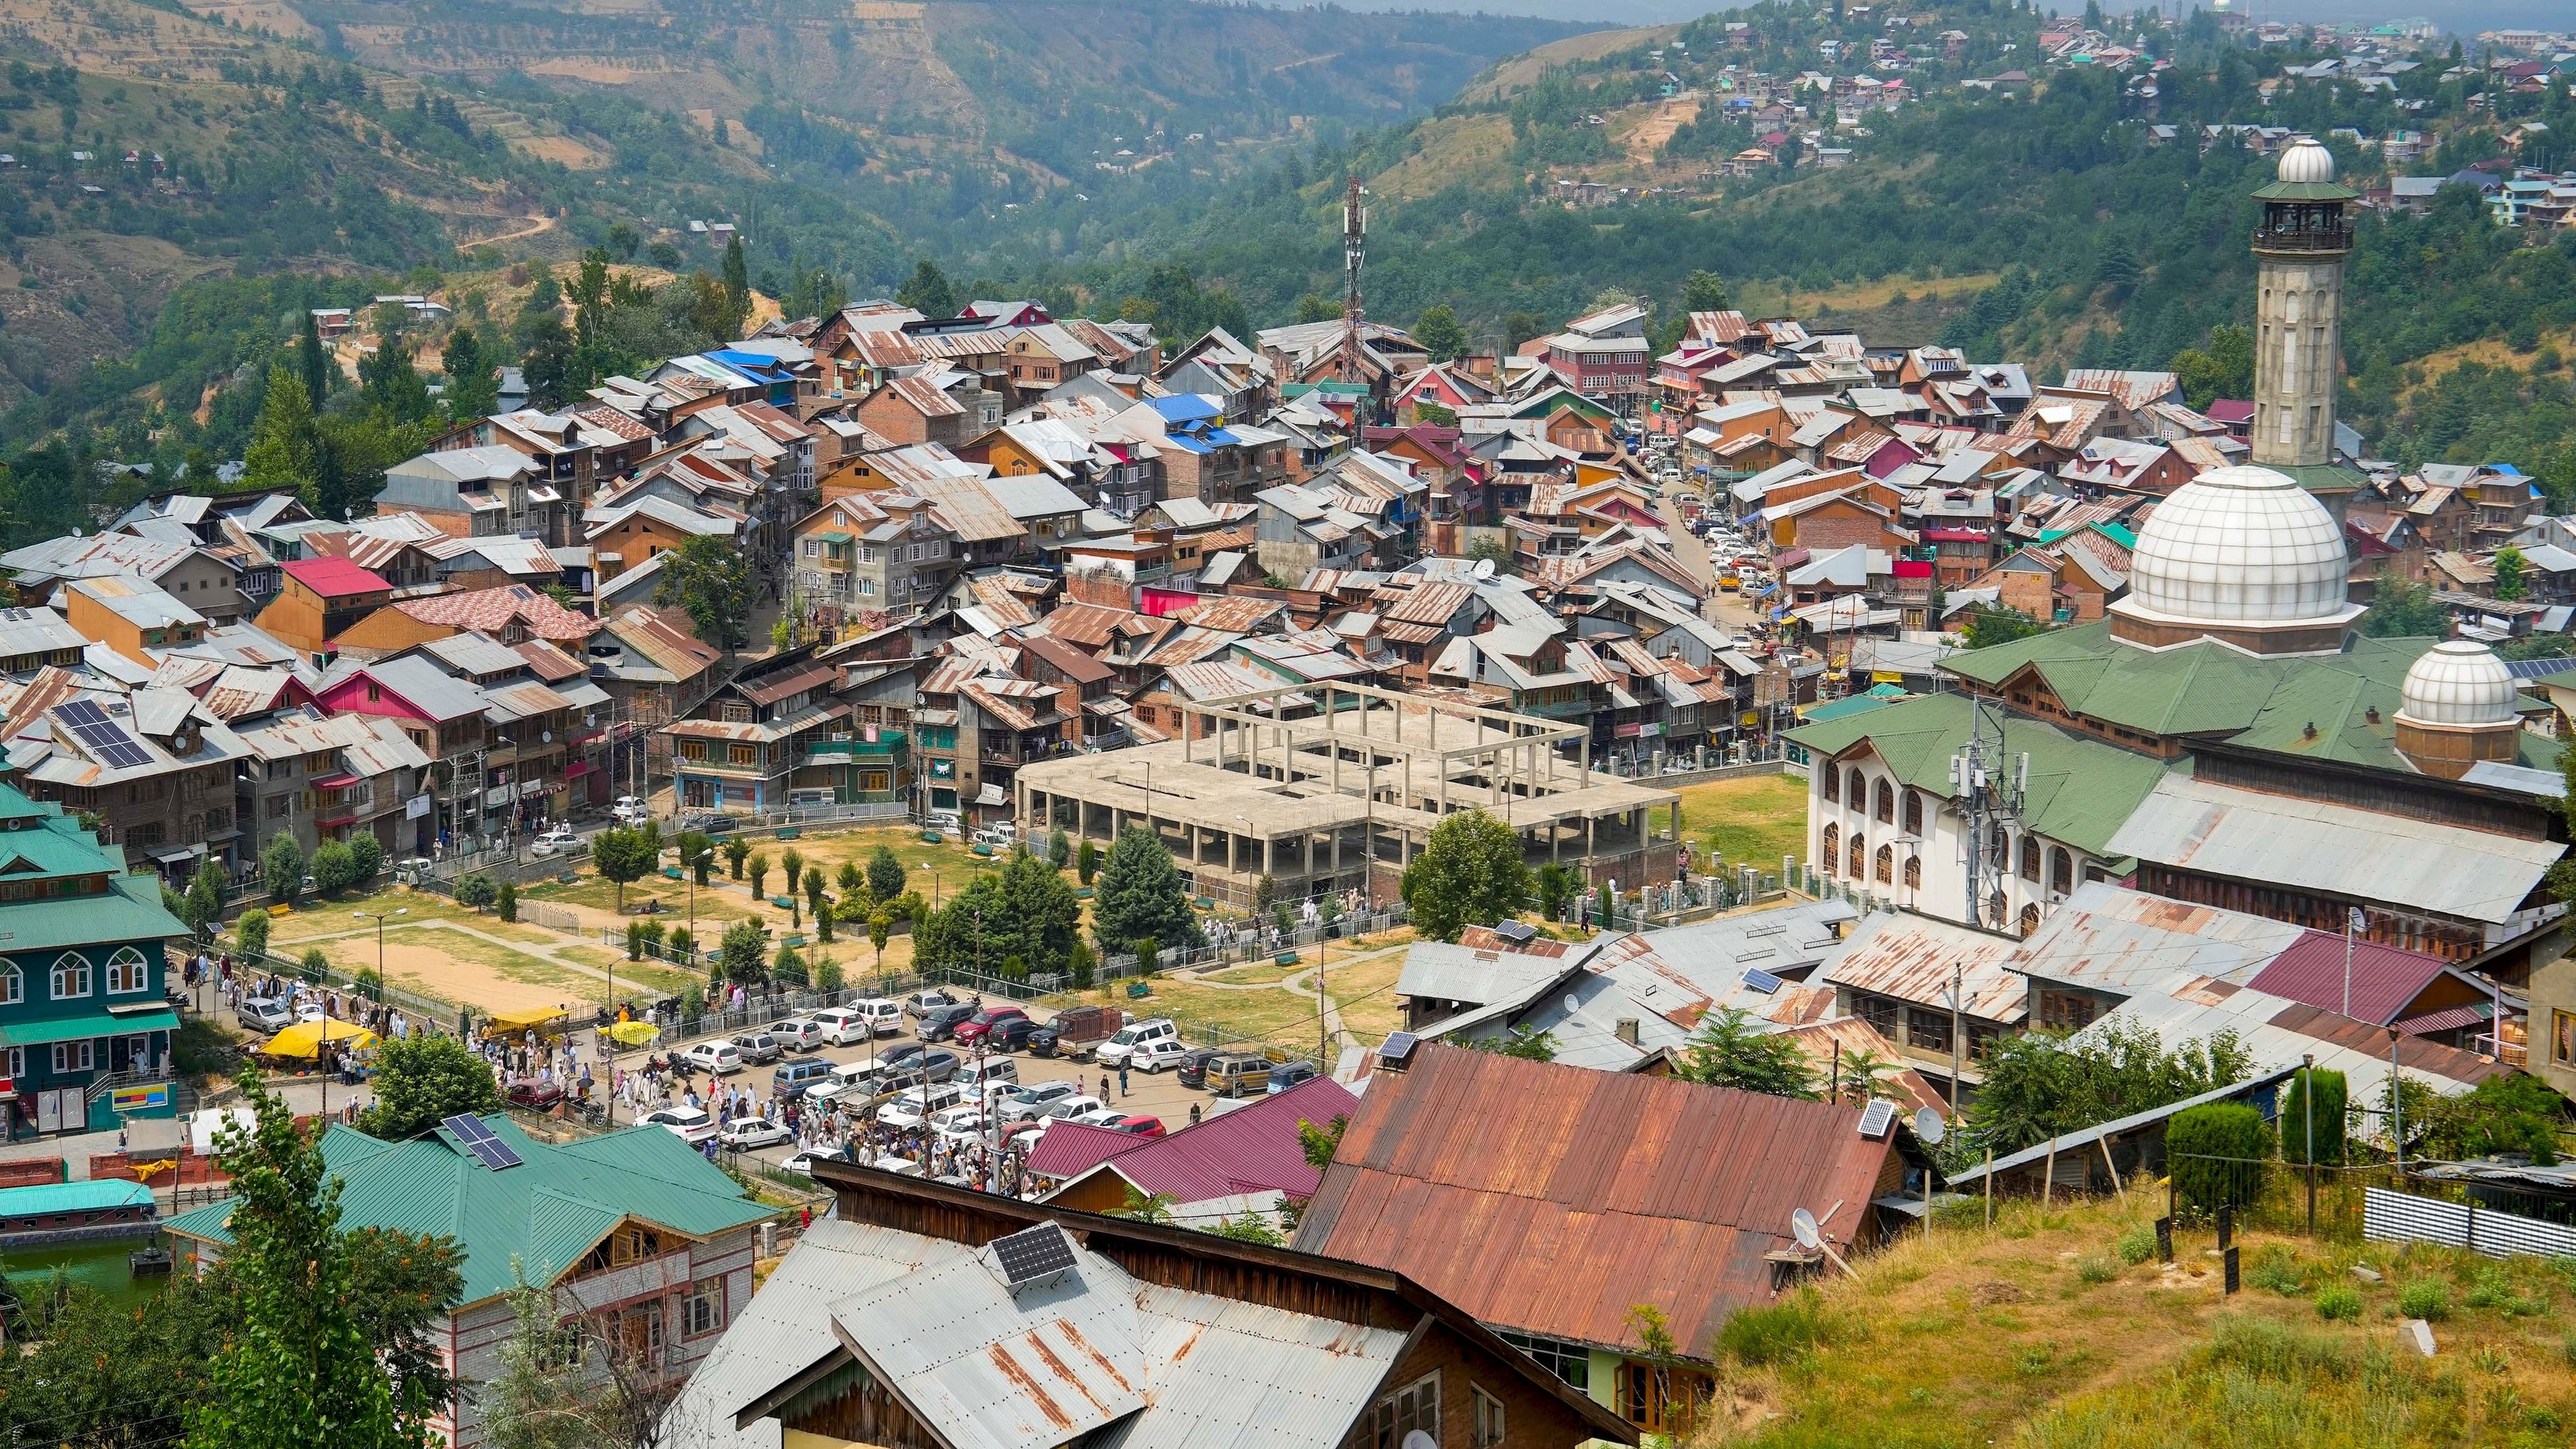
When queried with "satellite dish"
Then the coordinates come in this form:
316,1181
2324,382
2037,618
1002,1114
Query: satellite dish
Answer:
1484,569
1420,1440
1572,1004
1929,1129
1802,1223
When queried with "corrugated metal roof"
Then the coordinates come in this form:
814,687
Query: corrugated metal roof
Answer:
1607,1190
1252,1148
1911,957
2313,845
94,1195
2111,939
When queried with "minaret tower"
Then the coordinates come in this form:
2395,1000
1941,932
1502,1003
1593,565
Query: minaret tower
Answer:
2300,244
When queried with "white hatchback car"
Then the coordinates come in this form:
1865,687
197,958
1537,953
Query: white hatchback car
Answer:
691,1125
803,1034
720,1057
555,840
1158,1054
745,1133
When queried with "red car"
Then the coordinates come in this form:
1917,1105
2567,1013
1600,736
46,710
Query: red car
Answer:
1140,1126
1001,1023
536,1096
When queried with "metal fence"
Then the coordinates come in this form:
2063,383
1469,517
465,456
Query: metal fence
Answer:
553,918
2390,1216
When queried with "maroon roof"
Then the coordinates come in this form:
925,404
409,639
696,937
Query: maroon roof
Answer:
1254,1148
1070,1149
2385,979
2229,412
1550,1199
334,578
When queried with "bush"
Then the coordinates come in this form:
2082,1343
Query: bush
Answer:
200,1047
2095,1268
2216,1155
634,940
506,904
2137,1244
366,857
334,867
250,934
2425,1298
315,966
2492,1289
827,976
2280,1272
476,891
2339,1301
1776,1332
2328,1121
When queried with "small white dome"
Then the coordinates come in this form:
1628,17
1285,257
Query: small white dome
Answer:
2307,160
2458,682
2240,545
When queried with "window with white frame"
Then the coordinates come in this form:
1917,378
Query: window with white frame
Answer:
1489,1419
126,972
1415,1406
703,1311
867,588
75,1056
13,986
71,977
17,1063
813,548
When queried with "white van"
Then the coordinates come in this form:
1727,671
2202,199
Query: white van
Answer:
841,1025
884,1017
849,1079
917,1103
990,1070
1117,1049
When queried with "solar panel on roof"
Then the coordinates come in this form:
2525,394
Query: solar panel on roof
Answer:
1397,1049
480,1140
1875,1122
1033,1253
1762,981
80,712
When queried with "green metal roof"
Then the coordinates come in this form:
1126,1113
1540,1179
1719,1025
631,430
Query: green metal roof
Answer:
94,1195
2081,790
2322,477
129,911
2119,533
2306,191
1834,709
92,1023
546,1213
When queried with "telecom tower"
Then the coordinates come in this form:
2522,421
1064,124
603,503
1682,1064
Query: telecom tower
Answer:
1354,252
1988,786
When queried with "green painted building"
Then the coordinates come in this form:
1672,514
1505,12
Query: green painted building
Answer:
86,1028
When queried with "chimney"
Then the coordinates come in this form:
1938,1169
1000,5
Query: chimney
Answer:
1627,1030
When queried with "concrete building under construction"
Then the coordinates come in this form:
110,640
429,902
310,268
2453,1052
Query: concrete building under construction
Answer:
1335,787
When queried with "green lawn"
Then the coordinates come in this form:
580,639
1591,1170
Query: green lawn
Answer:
1752,821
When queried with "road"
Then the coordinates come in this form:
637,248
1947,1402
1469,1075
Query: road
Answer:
1721,607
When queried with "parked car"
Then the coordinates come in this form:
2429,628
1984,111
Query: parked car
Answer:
1119,1047
1288,1074
901,1052
535,1096
1000,835
742,1134
691,1125
630,810
803,1034
802,1164
793,1079
842,1025
1192,1066
921,1002
553,840
999,1022
912,1106
264,1013
720,1057
1237,1074
1136,1126
706,824
848,1080
1030,1102
884,1017
959,1124
758,1048
1075,1031
941,1022
1159,1054
996,1071
1067,1109
927,1067
943,821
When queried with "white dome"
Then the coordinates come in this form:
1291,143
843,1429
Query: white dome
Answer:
2240,545
2458,682
2307,160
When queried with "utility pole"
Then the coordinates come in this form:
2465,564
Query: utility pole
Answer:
1354,253
1988,786
2351,923
1955,1053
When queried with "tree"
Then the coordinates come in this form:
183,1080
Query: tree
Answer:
547,363
927,291
815,899
757,868
1489,549
571,1384
2321,1118
1992,624
1318,1144
473,380
2222,369
390,384
312,364
1086,861
1140,894
2215,1154
1704,291
709,578
880,929
2511,574
2040,1086
250,934
1727,1051
1059,848
1251,1227
736,851
421,1081
1520,327
1470,872
1315,307
366,857
852,879
203,907
285,443
334,870
281,869
623,241
1438,331
1529,1043
794,860
737,286
744,948
622,855
885,874
506,904
2400,610
1557,888
697,855
477,891
297,1371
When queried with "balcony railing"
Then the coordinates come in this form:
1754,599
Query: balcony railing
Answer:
2303,239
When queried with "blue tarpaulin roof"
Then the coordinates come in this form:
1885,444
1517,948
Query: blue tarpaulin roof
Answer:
1186,407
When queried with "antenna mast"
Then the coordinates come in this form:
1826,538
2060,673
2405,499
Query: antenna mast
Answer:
1988,786
1354,252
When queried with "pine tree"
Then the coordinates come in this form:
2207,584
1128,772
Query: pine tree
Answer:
285,443
312,364
737,285
927,291
1140,895
473,389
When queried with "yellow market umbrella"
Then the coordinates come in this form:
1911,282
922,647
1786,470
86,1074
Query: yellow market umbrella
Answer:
633,1033
305,1038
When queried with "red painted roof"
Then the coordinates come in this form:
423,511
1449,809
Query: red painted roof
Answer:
2385,979
1254,1148
2226,411
1069,1149
335,578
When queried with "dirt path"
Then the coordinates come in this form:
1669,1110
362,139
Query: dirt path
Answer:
1648,139
537,226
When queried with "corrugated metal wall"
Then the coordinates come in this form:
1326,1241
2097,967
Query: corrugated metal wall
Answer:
2403,1217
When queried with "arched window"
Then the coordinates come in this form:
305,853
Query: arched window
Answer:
1832,851
1914,872
1886,802
1886,871
1995,907
2030,857
1914,814
2029,919
13,986
71,976
1859,856
126,972
2061,871
1856,789
1832,780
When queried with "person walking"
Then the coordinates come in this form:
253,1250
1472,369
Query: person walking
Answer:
1122,1079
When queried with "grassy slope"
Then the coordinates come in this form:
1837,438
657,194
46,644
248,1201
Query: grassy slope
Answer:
1974,1338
